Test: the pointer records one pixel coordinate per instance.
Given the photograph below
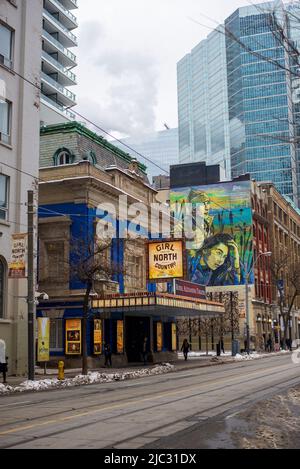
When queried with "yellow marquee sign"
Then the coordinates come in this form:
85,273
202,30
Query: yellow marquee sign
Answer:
165,260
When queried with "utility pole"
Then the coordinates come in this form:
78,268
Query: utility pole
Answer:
31,287
247,310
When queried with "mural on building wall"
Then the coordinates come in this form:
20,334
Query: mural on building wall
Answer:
220,251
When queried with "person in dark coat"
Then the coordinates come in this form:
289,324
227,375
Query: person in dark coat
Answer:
269,344
107,355
185,348
144,350
222,344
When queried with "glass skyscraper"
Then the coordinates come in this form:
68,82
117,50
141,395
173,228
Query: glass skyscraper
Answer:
262,134
260,111
203,104
159,147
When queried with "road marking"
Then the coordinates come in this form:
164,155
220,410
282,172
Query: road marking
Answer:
126,404
15,403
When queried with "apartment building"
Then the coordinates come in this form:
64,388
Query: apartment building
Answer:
20,52
58,61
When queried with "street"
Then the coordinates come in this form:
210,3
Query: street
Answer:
146,412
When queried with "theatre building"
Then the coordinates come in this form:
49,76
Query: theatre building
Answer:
80,172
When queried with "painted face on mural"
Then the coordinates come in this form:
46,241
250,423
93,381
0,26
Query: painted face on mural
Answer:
216,256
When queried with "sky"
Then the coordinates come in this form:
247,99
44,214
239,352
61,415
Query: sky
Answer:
127,54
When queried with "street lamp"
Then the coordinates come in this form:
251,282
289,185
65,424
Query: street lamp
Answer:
266,254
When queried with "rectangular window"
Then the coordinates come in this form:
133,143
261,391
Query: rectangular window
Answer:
56,335
5,121
55,264
134,275
4,187
6,46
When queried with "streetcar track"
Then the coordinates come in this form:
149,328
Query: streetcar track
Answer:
131,412
86,406
167,378
239,406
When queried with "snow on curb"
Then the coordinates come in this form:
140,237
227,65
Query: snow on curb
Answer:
90,378
256,355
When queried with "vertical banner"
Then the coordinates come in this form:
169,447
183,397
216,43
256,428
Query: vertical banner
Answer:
173,331
120,336
43,340
73,337
17,265
159,336
97,336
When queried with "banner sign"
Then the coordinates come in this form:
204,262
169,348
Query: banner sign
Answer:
120,336
165,260
192,290
73,337
174,345
43,339
97,336
17,266
159,336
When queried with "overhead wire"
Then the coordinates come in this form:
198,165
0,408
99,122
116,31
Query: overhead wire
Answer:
35,85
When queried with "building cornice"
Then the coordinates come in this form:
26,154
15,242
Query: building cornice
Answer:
76,127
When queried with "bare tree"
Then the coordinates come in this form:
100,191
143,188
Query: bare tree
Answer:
91,265
286,270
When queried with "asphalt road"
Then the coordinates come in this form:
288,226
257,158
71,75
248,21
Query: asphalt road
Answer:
146,412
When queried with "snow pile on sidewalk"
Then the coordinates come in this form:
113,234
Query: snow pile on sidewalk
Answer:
256,355
90,378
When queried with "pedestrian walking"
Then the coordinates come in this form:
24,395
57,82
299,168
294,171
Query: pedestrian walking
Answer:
3,360
107,355
185,348
144,350
269,344
222,344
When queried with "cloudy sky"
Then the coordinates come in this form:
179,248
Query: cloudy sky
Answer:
128,50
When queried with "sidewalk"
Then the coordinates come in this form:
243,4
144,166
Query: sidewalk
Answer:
195,360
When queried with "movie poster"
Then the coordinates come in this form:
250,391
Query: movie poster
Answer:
159,336
73,337
43,340
120,336
97,336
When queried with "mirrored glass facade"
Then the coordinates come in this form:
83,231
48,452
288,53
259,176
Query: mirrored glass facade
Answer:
159,147
203,105
238,101
262,138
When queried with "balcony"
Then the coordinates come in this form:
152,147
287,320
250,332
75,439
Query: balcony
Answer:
52,25
69,4
51,87
52,46
65,17
50,65
57,107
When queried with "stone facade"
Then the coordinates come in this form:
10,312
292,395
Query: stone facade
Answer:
70,200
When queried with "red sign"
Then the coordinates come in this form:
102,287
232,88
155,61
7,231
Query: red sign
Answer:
192,290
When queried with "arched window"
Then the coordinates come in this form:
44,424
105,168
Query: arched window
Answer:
2,287
62,157
91,157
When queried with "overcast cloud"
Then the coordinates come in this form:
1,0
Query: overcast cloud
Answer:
128,51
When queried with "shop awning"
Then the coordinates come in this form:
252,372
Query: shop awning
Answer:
161,304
